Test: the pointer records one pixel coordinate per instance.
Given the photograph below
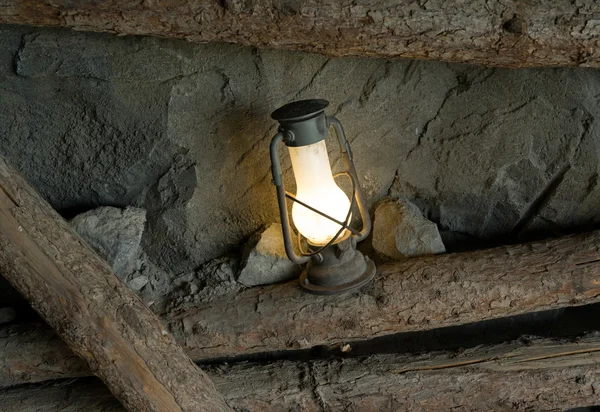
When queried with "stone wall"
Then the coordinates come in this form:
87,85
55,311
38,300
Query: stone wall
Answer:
183,130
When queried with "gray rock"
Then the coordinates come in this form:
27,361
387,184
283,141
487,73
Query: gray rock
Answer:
138,282
400,231
115,234
102,130
210,281
265,260
182,130
7,315
155,292
214,279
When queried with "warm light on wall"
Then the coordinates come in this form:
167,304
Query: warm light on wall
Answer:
321,211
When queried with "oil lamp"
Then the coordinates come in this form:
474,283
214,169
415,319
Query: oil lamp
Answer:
321,211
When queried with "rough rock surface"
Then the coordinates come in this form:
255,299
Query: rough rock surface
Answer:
400,231
182,130
265,260
114,233
138,282
212,280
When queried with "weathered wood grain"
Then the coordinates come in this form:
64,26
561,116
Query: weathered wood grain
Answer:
419,294
98,317
515,376
512,33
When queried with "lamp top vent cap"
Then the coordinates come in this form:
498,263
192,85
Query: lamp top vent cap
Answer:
300,110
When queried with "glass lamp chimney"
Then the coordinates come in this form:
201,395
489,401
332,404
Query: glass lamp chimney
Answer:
315,186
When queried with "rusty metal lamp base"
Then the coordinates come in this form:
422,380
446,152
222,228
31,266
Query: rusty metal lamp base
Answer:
340,268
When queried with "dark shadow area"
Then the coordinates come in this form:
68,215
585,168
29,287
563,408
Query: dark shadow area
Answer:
70,212
9,297
568,322
460,242
561,323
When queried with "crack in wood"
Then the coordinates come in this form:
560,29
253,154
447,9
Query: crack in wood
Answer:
559,355
589,262
443,366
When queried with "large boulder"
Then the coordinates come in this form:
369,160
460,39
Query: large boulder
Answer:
400,231
265,261
115,234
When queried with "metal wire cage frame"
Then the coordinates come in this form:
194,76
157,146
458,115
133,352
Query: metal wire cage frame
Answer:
357,196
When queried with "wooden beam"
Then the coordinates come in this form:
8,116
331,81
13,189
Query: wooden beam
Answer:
515,376
34,353
415,295
511,33
97,316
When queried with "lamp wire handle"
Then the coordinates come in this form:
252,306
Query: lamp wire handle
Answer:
351,170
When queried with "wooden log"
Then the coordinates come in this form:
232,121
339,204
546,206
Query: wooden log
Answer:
511,33
34,353
515,376
98,317
415,295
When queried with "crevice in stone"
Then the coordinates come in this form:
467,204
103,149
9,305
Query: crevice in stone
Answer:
551,188
423,132
258,182
341,107
174,78
226,92
269,133
394,180
591,185
17,55
258,65
410,70
312,79
373,81
586,123
540,201
519,106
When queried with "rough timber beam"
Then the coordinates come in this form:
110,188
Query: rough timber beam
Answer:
511,33
97,316
415,295
516,376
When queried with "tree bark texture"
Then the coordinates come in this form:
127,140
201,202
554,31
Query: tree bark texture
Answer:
414,295
515,376
98,317
512,33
